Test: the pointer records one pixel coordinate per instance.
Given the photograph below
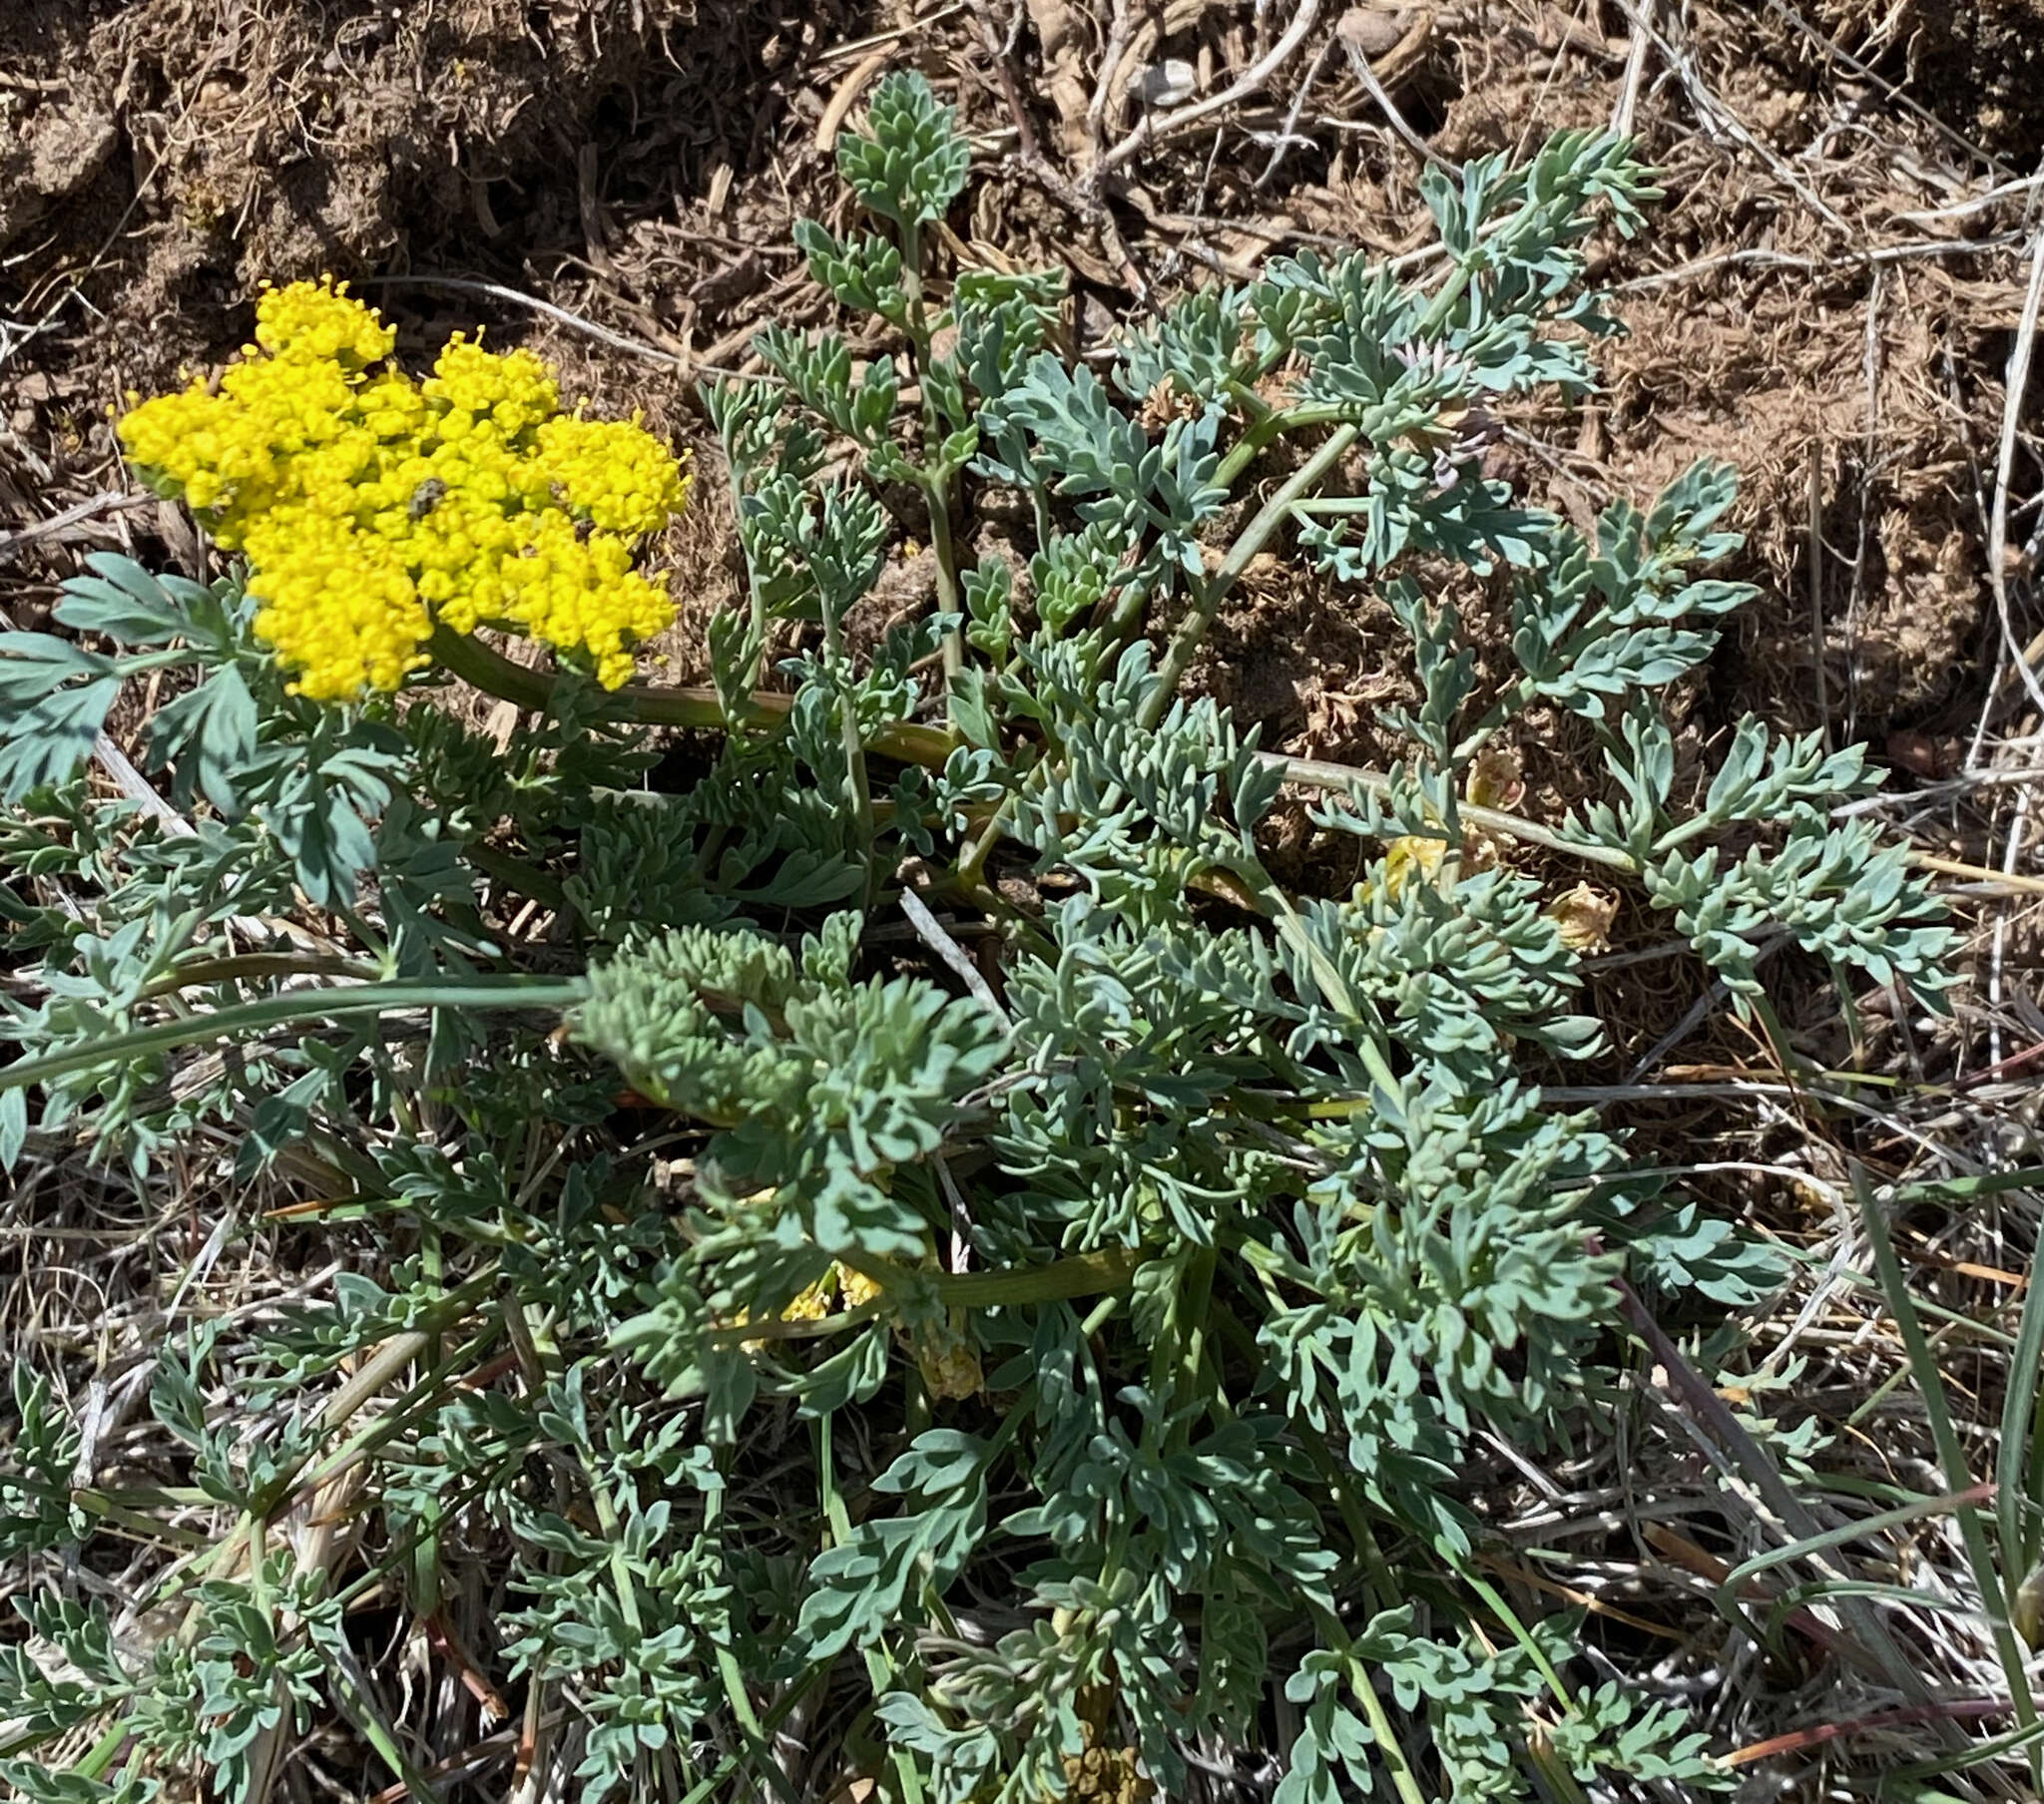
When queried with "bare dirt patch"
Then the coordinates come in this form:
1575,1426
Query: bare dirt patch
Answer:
1808,291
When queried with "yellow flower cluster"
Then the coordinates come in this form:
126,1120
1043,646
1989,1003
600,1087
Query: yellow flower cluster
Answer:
814,1303
372,504
819,1300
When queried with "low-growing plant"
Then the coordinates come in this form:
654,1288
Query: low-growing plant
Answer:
1130,1266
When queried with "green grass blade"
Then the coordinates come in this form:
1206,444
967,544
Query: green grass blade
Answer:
2017,1478
1993,1596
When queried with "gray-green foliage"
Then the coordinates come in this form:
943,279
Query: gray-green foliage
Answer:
1192,1270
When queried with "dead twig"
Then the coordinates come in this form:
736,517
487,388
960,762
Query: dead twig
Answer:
1155,129
108,500
1358,62
532,303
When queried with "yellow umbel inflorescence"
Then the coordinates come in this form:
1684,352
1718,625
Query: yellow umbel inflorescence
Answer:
372,504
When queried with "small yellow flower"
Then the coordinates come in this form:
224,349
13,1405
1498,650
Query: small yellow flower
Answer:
319,322
813,1304
612,472
1410,856
512,393
339,605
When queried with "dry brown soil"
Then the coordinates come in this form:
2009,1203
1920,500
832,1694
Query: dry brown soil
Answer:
1823,299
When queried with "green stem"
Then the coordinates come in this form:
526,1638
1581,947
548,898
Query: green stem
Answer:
1190,1312
1451,291
1377,1579
973,865
367,1718
879,1666
485,669
2021,1446
1334,986
1503,1611
1319,775
1403,1780
714,1785
424,1394
1265,430
620,1559
1082,1274
1387,1738
1252,404
756,600
488,669
936,488
937,493
1192,632
1101,1272
858,786
145,1528
202,973
96,1759
299,1008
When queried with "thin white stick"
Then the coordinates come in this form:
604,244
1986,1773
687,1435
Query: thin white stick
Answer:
1959,209
953,955
1997,516
1247,83
1998,945
1629,88
464,285
1285,138
108,500
1389,108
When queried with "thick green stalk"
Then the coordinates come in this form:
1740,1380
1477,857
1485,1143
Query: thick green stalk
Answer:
1192,632
1081,1274
1451,291
495,674
299,1008
913,743
203,972
1105,1270
516,874
1265,430
490,670
973,865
